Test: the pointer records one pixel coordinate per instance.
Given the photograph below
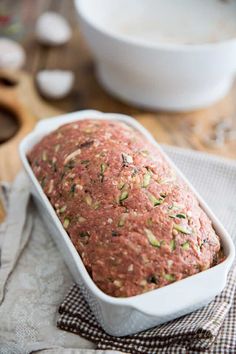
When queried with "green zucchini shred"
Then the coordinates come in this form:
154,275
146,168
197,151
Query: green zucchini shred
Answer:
123,196
152,238
146,180
66,223
172,245
185,246
169,277
182,229
156,201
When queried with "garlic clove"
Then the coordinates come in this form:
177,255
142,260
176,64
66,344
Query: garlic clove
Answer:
12,54
55,84
52,29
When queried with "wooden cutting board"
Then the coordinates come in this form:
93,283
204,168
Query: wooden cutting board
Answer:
20,108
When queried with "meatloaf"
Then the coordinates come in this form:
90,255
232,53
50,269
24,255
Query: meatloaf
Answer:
136,225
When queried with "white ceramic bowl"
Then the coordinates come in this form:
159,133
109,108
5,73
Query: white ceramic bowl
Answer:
162,54
123,316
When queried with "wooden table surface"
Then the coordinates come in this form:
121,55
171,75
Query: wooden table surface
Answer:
189,130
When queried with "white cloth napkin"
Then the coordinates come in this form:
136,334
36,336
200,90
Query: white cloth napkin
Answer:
34,278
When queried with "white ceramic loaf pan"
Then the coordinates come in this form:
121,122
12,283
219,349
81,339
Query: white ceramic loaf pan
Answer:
123,316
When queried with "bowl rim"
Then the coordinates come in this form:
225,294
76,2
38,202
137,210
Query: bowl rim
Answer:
92,114
171,47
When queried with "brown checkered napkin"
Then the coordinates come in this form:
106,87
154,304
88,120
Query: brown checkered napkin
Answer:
211,329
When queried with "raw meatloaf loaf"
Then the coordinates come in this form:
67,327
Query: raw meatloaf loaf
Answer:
134,222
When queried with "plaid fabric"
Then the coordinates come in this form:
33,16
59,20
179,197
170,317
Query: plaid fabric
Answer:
211,329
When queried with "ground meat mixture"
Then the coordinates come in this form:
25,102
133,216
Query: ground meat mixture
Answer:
134,222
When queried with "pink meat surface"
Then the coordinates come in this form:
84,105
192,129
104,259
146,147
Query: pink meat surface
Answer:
134,222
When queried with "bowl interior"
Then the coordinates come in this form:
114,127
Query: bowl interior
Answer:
158,21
